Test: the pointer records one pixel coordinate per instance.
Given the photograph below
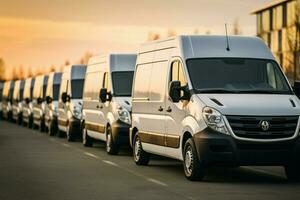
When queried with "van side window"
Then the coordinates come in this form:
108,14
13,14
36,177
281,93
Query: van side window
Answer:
177,73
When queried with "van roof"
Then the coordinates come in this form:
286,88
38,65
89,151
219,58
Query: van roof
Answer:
75,71
116,62
204,46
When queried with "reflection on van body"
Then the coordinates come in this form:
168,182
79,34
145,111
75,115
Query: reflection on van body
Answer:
38,102
107,100
70,101
198,102
8,90
51,108
18,101
27,103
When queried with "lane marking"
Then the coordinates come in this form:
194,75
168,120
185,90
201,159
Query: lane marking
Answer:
90,154
110,163
157,182
263,171
66,145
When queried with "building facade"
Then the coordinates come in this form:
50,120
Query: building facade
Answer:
278,25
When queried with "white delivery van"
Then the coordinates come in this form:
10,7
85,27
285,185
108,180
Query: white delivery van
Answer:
201,101
27,103
1,94
107,100
38,102
70,101
51,108
17,104
7,99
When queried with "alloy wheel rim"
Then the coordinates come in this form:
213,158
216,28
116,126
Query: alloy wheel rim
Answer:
137,150
188,161
108,141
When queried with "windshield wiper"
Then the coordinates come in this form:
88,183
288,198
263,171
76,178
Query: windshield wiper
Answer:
217,90
264,92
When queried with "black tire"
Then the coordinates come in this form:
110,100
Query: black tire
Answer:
193,169
87,141
52,130
42,126
30,123
111,147
70,134
292,171
19,120
140,157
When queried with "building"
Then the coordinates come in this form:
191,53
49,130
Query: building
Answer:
278,24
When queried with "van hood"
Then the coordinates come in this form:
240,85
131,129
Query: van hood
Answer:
125,102
252,104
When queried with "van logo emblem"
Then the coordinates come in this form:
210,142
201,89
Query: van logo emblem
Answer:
264,125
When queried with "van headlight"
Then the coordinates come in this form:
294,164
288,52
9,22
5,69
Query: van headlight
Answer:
214,120
55,111
124,115
77,112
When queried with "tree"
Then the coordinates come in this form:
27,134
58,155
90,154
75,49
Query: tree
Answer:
236,27
14,74
2,69
293,37
85,58
21,74
153,36
171,33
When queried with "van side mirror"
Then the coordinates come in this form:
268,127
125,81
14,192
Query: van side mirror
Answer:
27,100
48,99
65,97
296,88
39,100
104,95
174,91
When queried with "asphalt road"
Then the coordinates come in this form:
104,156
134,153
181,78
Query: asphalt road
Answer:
36,166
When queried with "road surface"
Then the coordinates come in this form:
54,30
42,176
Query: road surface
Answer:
35,166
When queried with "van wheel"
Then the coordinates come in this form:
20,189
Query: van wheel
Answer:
193,168
292,171
139,155
87,141
30,123
70,134
111,147
42,126
52,130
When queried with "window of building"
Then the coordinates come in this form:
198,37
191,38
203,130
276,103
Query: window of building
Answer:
259,23
280,40
269,40
278,20
266,20
284,15
271,19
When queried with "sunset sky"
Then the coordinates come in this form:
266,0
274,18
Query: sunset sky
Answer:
41,33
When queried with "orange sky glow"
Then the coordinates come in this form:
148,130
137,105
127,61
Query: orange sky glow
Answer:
37,33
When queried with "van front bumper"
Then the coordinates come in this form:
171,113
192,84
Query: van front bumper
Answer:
120,132
216,148
76,126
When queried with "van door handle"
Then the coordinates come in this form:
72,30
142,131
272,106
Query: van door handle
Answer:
160,109
169,109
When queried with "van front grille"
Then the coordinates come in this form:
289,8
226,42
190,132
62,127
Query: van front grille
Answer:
252,126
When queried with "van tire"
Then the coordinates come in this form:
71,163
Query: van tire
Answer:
140,157
87,141
30,123
42,126
70,134
52,130
111,147
193,168
292,171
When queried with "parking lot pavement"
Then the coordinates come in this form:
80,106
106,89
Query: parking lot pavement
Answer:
34,165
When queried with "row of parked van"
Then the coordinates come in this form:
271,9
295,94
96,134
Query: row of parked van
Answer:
191,98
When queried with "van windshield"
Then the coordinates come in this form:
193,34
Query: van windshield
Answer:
55,92
77,88
237,75
122,83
